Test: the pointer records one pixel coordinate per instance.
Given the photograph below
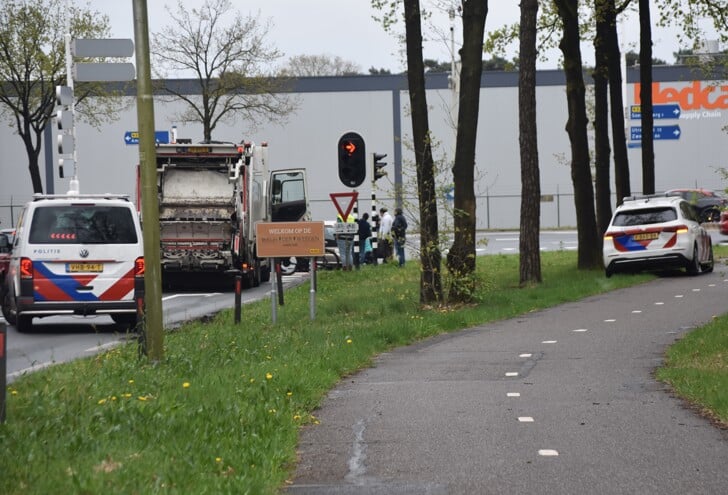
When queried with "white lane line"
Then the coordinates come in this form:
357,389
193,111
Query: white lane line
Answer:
513,394
511,373
206,294
549,342
659,303
579,330
696,290
711,285
525,355
636,311
548,453
678,296
610,320
525,419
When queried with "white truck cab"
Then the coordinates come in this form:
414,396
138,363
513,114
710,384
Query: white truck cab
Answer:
75,254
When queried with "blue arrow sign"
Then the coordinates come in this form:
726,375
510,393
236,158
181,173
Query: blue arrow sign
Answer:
668,111
160,137
659,132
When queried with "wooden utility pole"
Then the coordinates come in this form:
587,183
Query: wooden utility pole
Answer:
152,329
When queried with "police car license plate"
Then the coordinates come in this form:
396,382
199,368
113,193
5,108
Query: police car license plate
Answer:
647,236
84,267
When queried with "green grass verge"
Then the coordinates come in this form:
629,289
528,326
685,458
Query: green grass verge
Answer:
222,412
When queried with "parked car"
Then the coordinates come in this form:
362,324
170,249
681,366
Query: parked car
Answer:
75,254
6,246
708,203
723,222
656,232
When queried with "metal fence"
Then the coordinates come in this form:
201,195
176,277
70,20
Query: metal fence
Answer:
494,211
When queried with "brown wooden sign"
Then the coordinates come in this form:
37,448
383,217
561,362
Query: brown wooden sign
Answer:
283,239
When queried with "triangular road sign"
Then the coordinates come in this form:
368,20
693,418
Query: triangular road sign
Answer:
344,212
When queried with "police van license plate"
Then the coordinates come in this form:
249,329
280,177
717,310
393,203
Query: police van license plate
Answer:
84,267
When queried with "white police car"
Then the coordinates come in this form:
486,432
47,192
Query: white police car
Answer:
75,254
656,232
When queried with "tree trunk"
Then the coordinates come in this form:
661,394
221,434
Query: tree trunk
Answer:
648,122
461,257
619,139
529,247
589,251
602,152
430,256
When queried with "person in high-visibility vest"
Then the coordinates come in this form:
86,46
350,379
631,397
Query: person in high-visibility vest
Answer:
345,241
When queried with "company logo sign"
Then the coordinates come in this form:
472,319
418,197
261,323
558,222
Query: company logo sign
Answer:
696,96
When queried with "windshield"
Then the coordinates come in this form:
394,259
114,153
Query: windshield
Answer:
83,224
645,216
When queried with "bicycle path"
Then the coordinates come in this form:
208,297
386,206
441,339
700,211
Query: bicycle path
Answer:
557,401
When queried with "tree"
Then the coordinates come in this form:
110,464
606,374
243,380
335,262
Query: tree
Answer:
379,72
430,257
589,250
602,151
319,65
530,255
461,257
648,122
33,63
227,54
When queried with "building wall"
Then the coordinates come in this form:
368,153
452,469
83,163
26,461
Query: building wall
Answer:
377,108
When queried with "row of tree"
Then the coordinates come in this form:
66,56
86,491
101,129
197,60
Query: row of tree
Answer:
572,20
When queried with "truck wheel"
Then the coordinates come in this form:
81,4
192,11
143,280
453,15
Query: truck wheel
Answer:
129,321
6,308
24,324
265,274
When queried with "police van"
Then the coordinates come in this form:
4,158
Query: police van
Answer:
75,254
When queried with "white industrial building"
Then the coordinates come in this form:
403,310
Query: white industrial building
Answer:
690,150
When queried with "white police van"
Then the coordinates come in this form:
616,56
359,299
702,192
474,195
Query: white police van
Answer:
75,254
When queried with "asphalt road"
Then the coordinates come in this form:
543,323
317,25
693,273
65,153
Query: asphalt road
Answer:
561,401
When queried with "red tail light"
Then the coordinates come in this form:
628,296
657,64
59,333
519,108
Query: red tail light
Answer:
139,267
26,268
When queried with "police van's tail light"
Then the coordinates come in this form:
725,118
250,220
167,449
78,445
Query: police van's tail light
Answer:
26,268
139,267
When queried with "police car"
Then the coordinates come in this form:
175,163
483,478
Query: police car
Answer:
656,232
75,254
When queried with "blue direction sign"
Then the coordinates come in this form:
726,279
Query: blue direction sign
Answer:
160,137
659,132
668,111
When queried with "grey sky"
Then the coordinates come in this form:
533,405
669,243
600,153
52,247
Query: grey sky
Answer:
345,28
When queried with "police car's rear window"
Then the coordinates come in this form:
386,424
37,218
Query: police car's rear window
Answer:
646,216
83,224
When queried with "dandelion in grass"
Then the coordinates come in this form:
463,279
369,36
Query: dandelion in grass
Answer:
252,380
296,417
289,394
349,341
218,459
186,385
268,376
101,402
131,381
126,396
13,392
142,398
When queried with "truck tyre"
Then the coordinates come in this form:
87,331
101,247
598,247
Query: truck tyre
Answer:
24,324
6,308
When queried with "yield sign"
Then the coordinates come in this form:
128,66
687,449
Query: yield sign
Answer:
352,198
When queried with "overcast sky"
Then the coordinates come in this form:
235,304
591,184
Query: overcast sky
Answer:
345,28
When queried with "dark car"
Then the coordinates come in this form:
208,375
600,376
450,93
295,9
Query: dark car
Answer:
708,203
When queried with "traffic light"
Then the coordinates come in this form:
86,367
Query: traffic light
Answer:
352,159
379,165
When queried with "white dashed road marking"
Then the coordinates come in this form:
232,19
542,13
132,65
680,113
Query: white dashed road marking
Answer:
511,373
548,453
548,342
513,394
525,355
525,419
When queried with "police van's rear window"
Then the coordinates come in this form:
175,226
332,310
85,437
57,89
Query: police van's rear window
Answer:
647,216
83,224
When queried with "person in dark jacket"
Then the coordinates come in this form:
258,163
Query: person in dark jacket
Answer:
365,232
399,231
